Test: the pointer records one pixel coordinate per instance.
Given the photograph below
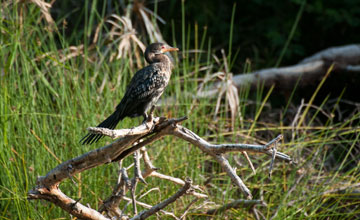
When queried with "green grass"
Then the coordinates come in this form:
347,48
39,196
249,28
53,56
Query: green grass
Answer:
47,104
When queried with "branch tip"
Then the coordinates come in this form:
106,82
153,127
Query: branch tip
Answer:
73,205
274,141
178,120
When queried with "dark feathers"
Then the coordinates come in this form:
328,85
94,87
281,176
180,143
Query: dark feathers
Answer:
143,91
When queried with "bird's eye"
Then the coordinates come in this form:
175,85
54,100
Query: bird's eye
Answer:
162,47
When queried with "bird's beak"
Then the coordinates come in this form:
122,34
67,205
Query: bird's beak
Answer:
169,49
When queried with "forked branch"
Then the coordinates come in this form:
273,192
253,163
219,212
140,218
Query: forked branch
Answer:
131,141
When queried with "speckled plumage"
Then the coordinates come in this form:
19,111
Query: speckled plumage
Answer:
143,91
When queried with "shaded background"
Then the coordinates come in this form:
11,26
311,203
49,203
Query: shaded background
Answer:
261,28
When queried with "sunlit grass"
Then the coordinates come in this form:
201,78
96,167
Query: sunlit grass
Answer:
48,98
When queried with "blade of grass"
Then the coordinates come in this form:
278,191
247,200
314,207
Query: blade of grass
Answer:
260,109
231,33
291,34
302,118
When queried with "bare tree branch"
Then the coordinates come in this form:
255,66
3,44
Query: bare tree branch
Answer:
60,199
130,141
345,58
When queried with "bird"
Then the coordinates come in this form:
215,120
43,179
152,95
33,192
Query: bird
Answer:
143,91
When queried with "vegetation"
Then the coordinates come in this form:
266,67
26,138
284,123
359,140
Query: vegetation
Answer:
55,84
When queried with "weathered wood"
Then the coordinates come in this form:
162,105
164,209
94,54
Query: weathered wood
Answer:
130,141
346,59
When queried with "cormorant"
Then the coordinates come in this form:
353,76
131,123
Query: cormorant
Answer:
143,91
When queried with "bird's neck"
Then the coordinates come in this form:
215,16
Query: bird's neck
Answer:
160,58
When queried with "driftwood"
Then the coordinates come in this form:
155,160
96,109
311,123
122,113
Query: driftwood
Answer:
346,59
134,141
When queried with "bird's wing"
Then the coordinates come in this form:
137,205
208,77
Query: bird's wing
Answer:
146,83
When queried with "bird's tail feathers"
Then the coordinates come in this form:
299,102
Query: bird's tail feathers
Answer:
110,123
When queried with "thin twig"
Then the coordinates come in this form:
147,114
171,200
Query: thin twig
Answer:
272,159
235,204
188,208
158,207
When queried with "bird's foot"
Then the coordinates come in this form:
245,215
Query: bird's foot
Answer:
147,123
150,117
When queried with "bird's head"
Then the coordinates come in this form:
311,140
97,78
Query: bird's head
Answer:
154,51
